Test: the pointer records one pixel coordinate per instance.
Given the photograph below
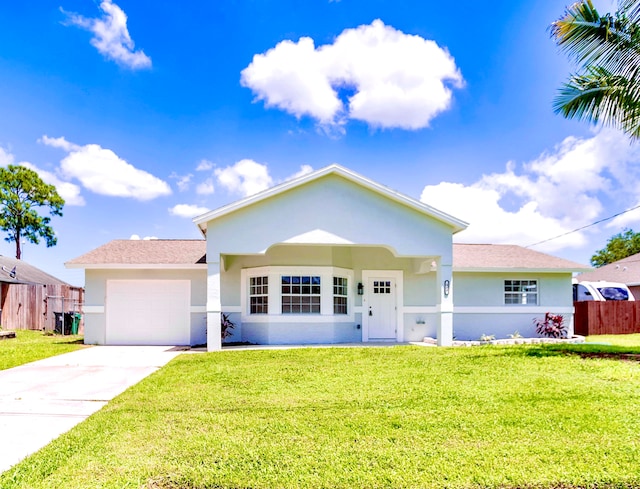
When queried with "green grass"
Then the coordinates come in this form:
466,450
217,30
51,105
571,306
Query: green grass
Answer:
616,339
409,417
29,346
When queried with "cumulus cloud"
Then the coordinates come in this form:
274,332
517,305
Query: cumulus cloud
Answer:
389,79
6,158
187,210
182,181
204,165
70,192
67,190
136,237
103,172
558,192
206,187
304,170
246,177
111,37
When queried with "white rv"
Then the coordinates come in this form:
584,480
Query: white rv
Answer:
601,291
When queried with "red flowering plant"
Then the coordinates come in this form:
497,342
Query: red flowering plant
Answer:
552,326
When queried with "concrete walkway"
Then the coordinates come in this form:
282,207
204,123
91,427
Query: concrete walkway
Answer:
41,400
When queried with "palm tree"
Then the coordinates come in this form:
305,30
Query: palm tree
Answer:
606,47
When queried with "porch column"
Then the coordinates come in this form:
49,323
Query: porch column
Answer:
214,307
445,323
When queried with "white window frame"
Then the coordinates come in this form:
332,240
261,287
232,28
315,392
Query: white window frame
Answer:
275,273
262,294
522,293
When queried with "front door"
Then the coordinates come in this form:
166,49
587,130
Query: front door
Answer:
381,308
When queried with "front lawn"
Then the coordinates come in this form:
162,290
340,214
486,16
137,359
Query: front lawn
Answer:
29,346
413,417
616,339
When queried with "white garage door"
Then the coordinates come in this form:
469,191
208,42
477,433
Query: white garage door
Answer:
148,312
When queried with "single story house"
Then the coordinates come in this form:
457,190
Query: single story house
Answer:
626,271
329,257
33,299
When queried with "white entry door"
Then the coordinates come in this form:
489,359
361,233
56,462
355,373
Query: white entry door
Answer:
381,308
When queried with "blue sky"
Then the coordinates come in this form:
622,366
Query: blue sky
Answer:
144,114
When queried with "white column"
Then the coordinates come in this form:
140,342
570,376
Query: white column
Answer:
445,323
214,306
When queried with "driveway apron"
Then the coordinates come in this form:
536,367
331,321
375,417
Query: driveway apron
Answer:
41,400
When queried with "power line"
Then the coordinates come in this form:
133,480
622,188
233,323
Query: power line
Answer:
584,227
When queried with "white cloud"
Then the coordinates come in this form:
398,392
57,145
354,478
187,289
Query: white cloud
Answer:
246,177
557,193
204,165
70,192
206,187
103,172
6,158
111,36
187,210
67,190
304,170
136,237
182,181
394,79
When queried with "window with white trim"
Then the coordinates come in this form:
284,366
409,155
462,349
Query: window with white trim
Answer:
340,295
259,295
522,292
300,294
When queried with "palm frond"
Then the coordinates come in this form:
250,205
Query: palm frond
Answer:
601,97
609,40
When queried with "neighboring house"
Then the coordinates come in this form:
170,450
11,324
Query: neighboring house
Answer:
625,271
329,257
33,299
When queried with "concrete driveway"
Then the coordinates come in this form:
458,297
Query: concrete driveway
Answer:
41,400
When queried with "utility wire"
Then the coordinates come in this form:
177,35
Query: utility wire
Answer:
584,227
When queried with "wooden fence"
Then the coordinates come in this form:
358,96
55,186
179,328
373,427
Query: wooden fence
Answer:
34,306
610,317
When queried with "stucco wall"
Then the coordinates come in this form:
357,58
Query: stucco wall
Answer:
336,206
420,294
95,295
479,304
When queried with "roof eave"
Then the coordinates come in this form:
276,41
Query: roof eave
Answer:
516,270
137,266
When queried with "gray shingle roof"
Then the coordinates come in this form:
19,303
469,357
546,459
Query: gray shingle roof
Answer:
25,273
144,252
178,252
626,271
508,257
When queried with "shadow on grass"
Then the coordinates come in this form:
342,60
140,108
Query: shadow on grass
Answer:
586,350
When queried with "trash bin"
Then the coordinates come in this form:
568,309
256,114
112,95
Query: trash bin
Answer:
58,327
75,325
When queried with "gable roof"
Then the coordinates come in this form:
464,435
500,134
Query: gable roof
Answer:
456,224
160,253
24,273
508,258
626,271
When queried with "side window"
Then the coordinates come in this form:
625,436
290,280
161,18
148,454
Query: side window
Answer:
259,295
521,292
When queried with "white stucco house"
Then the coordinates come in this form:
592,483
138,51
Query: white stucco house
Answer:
329,257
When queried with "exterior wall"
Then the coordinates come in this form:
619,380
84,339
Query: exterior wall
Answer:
335,210
95,296
330,221
479,304
419,300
